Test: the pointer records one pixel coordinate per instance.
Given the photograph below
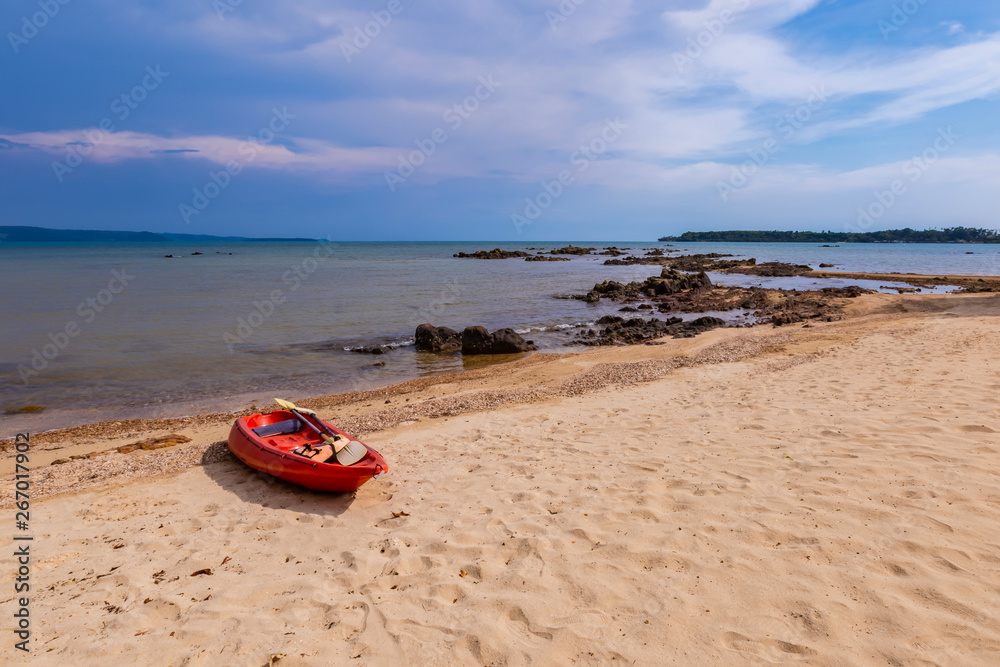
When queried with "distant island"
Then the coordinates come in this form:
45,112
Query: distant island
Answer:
42,235
947,235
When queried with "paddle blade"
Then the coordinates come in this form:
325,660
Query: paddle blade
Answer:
351,453
284,404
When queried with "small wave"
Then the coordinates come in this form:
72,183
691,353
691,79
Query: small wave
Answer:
391,345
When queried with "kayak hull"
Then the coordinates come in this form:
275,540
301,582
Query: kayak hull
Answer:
272,454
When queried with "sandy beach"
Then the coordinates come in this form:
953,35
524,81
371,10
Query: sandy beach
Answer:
825,494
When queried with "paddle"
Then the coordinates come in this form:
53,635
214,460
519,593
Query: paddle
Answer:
348,452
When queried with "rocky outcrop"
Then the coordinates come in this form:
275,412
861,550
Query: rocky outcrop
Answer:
477,340
619,331
773,270
496,253
692,263
672,282
668,282
632,259
430,338
572,250
543,258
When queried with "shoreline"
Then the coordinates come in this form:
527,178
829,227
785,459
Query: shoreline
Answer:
531,379
139,424
199,406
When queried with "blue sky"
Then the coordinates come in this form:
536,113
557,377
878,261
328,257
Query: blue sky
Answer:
585,119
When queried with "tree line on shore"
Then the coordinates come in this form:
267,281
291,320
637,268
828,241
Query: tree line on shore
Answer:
907,235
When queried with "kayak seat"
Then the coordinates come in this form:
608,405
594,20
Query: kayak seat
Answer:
279,428
317,454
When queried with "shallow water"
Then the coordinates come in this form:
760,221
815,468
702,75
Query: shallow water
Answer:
208,331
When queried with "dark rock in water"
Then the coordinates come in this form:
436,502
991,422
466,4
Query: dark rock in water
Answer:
826,266
168,255
707,262
369,349
496,253
477,340
668,282
672,282
430,338
693,263
620,331
542,258
773,270
377,364
628,309
572,250
196,253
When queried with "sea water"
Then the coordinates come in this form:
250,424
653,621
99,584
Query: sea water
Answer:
115,331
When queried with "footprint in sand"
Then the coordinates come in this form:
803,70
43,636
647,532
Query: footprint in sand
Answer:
516,624
770,650
973,428
592,617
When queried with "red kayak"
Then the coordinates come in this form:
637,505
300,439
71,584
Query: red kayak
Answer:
265,442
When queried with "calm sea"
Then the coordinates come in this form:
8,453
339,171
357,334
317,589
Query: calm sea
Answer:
117,331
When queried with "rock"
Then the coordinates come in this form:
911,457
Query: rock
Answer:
542,258
619,331
496,253
672,282
437,339
128,449
59,462
572,250
785,317
477,340
196,253
826,266
592,296
368,349
773,269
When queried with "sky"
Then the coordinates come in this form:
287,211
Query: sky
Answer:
519,120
